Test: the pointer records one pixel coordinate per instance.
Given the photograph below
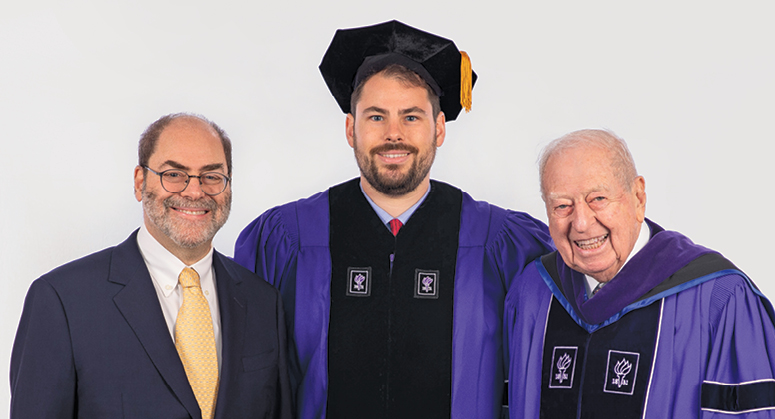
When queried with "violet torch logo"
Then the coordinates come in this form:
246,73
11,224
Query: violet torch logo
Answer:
426,284
359,282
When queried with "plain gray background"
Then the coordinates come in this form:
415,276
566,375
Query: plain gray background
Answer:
689,84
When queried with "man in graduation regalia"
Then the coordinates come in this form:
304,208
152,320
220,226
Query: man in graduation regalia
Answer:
627,319
394,283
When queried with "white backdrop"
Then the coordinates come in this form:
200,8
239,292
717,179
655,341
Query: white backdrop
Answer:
689,84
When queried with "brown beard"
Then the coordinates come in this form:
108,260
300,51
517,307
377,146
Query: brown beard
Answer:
399,184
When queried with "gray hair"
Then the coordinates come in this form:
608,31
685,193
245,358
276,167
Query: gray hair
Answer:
622,163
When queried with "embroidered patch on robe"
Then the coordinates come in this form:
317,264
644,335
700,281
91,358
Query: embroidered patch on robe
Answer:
358,282
622,372
563,366
426,283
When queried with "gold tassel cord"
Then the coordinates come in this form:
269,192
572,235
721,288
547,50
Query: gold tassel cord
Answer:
466,81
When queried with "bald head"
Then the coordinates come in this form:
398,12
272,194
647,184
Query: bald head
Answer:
150,137
622,163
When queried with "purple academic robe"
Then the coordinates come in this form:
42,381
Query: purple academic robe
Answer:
289,247
710,348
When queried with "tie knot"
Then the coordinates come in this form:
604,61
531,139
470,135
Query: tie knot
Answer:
395,225
188,278
597,288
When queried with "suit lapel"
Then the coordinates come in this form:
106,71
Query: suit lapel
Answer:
139,305
233,308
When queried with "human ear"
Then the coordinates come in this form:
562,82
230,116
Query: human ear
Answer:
349,127
441,129
139,177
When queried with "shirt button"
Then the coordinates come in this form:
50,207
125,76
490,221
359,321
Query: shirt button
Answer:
169,287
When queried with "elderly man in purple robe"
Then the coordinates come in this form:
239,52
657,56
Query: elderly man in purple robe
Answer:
627,319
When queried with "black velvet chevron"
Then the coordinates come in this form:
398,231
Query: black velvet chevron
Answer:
390,353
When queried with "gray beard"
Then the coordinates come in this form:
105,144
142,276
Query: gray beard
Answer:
185,235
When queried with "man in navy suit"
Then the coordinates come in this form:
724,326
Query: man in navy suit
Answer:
98,338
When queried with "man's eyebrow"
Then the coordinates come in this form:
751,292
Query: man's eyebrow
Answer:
175,165
211,167
562,195
553,196
205,168
374,109
413,109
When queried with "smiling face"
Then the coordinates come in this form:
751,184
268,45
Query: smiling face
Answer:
394,135
184,222
593,219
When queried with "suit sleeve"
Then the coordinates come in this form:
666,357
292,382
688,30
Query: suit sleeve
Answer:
268,248
740,376
284,395
43,376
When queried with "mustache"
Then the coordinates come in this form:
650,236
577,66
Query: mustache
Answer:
393,147
204,203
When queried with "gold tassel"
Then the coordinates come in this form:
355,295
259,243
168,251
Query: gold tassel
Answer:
466,82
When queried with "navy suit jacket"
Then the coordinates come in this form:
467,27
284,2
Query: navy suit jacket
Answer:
93,343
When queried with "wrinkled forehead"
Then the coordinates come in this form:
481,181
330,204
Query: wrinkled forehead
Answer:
578,170
189,139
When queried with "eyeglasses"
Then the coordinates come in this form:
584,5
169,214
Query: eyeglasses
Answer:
174,181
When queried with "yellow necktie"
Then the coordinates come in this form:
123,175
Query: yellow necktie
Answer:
195,342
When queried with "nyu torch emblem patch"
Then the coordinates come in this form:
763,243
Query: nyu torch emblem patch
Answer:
426,283
358,282
563,366
621,372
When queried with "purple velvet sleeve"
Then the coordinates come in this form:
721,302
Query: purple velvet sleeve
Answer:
521,240
718,332
495,244
526,309
742,344
268,248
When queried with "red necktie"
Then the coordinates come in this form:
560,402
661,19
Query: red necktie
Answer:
395,225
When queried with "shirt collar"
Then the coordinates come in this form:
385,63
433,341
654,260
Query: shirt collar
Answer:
385,217
163,266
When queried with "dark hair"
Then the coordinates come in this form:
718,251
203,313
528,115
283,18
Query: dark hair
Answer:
406,76
151,135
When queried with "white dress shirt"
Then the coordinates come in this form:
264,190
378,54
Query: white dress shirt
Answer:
164,268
